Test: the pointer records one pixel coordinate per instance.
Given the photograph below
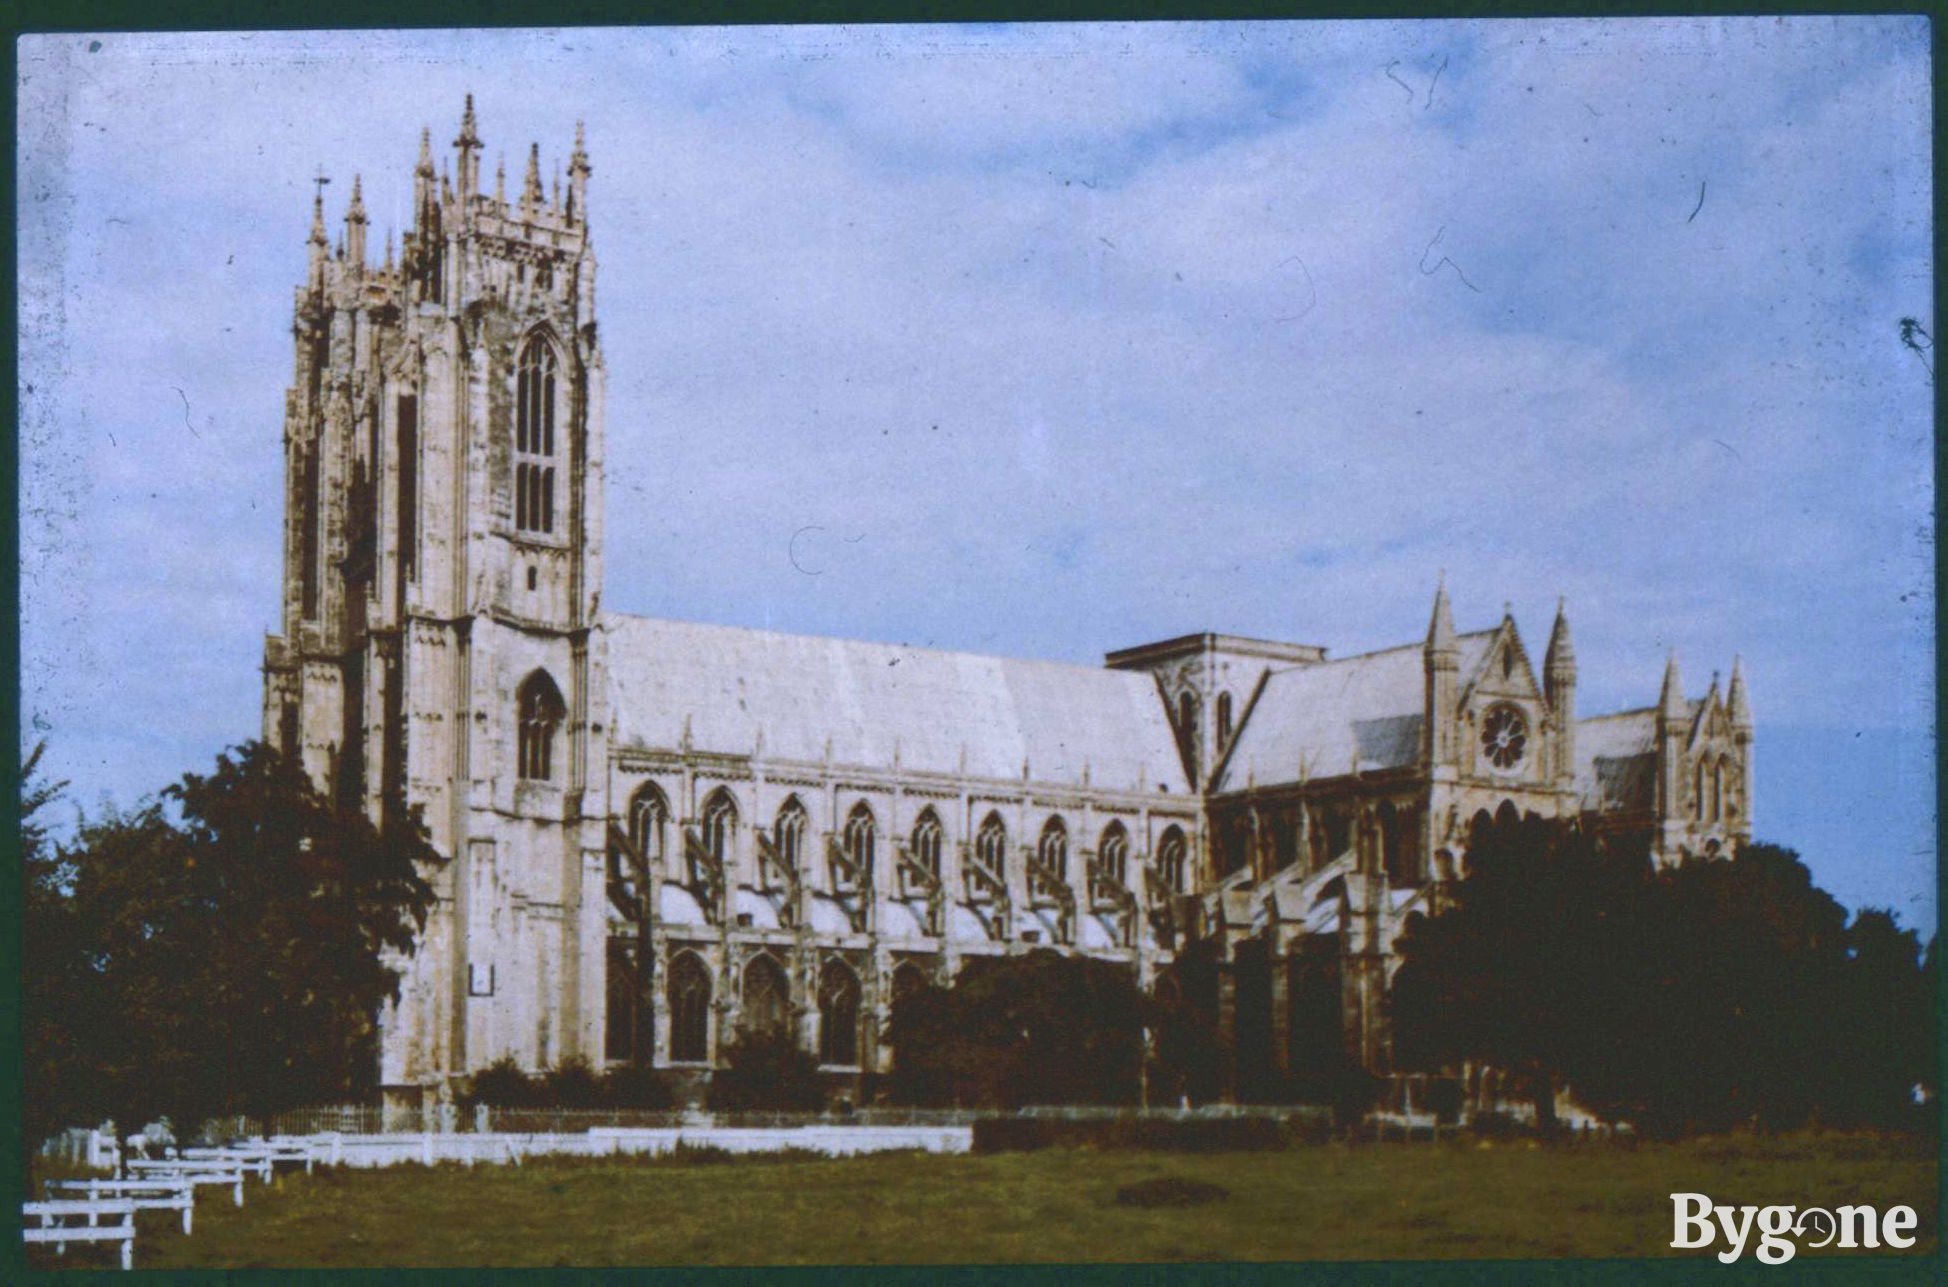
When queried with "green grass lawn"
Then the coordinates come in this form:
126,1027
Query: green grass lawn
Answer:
1395,1201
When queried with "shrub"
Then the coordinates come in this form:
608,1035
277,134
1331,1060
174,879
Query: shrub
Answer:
766,1073
642,1089
501,1084
571,1085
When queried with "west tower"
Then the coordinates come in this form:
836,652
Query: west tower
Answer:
442,569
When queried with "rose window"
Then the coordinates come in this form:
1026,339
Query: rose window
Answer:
1504,737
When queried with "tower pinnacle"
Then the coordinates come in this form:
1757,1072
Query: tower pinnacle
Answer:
1562,650
531,184
1670,701
1736,700
355,226
578,172
1440,628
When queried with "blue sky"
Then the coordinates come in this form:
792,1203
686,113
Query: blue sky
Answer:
1067,338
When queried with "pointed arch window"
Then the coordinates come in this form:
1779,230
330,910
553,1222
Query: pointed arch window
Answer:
1170,860
924,847
1112,862
991,856
1223,720
719,829
1052,853
838,1015
649,816
540,711
689,1009
787,843
767,999
534,437
860,835
909,980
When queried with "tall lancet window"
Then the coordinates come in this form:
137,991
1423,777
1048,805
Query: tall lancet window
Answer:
534,438
541,712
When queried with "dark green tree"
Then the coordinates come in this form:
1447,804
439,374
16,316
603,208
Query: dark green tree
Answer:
1708,994
235,940
58,1010
766,1072
1040,1028
1510,974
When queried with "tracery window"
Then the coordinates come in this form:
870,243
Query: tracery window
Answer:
787,841
1113,854
534,438
1052,852
1504,737
838,1015
924,846
540,711
991,848
649,814
767,999
719,829
1170,860
908,979
689,1009
860,834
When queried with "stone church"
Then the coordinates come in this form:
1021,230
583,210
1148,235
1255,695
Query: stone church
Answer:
662,833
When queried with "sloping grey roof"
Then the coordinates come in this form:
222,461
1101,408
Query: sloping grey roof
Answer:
801,691
1616,760
1366,709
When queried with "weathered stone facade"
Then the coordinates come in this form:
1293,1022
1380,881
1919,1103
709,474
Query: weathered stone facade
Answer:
661,833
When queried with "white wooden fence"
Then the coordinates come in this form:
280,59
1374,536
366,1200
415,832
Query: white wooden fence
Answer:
108,1206
469,1148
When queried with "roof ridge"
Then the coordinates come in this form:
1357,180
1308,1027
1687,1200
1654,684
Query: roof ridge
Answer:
757,631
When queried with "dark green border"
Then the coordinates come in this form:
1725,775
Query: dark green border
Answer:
168,15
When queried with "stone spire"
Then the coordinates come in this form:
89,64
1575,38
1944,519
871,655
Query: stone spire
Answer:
1559,686
426,194
531,185
1670,701
1441,662
1561,657
1440,628
355,226
578,172
469,145
318,215
1736,700
500,180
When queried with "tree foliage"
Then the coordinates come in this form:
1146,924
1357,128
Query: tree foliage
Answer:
571,1085
1040,1028
766,1072
225,949
1699,996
